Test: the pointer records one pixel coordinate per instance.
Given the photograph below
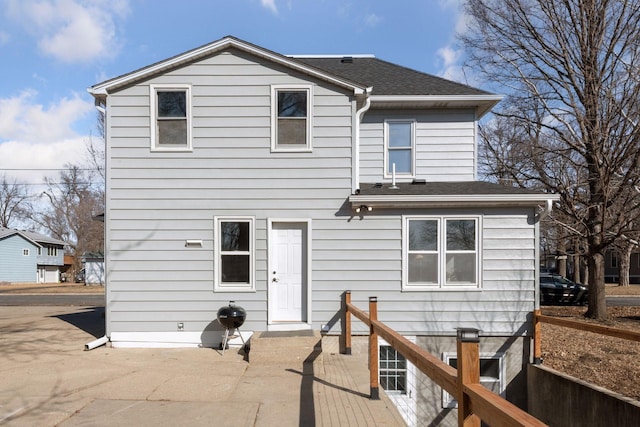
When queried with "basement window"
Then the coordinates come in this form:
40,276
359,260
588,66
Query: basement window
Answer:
492,375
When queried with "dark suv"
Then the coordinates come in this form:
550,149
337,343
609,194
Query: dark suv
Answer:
555,289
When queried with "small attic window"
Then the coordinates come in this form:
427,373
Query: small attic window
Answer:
347,60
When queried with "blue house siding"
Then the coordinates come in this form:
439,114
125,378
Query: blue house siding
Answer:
15,266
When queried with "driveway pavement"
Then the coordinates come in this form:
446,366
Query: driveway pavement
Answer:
47,379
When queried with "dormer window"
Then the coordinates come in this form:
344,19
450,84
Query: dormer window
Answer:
291,118
399,148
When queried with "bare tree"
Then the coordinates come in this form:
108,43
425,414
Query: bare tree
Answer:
571,69
73,203
15,202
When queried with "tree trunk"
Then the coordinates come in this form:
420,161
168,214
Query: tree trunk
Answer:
624,265
597,302
561,258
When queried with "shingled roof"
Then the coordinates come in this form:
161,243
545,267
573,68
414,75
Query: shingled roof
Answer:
449,194
387,78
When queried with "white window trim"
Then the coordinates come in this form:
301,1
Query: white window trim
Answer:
154,110
449,401
441,284
387,167
274,118
237,287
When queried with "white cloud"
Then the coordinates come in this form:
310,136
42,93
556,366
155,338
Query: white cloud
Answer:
271,5
371,20
23,119
71,31
43,156
36,137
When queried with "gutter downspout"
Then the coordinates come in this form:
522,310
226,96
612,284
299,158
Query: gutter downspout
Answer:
356,155
96,343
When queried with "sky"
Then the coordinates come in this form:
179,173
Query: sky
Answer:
51,51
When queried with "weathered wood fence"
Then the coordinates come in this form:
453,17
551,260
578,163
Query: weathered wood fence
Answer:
475,403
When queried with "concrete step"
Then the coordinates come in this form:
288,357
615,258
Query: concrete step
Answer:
291,348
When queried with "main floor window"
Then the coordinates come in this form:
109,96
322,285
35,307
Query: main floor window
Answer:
234,261
492,375
291,118
170,118
440,252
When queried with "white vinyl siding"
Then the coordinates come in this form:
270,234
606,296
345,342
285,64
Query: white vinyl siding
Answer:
445,145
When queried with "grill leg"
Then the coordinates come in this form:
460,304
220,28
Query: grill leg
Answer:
224,341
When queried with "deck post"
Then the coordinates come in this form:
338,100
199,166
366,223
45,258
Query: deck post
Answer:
346,330
468,373
373,350
537,338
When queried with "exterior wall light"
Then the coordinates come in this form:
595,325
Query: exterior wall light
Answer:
363,208
468,334
193,244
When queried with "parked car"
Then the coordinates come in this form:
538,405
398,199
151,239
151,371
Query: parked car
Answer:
79,276
555,289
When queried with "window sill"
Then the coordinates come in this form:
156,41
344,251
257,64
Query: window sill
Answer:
441,289
172,150
233,289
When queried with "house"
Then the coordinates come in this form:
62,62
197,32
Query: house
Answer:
279,182
30,257
93,268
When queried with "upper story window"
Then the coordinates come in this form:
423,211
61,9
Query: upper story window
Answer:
441,252
399,147
25,252
52,251
291,118
170,118
234,261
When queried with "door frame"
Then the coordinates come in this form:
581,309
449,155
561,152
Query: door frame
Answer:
306,278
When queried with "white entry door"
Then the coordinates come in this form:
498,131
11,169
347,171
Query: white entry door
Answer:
287,272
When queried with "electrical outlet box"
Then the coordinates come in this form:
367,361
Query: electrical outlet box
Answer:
180,326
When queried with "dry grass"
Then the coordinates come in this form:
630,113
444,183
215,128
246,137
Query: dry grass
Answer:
49,288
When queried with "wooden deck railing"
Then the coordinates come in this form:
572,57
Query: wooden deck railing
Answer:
539,318
475,403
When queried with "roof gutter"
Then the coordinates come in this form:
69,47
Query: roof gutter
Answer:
355,180
454,200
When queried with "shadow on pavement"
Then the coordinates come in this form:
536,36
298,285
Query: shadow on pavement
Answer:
90,320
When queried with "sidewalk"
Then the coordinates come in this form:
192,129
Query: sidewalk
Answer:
48,380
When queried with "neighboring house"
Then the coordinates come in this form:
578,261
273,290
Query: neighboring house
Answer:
30,257
93,268
236,173
612,267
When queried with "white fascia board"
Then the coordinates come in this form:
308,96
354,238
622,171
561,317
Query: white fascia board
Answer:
453,200
105,87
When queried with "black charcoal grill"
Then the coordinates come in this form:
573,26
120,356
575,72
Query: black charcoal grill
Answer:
231,317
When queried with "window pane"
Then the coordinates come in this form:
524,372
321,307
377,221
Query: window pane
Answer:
400,135
461,268
235,268
172,132
423,268
172,104
292,132
234,236
423,235
292,104
461,235
402,159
